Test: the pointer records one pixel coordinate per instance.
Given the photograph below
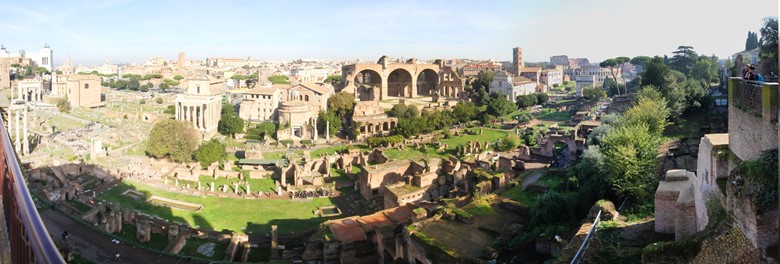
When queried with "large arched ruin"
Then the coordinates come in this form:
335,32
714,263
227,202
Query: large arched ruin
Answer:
382,80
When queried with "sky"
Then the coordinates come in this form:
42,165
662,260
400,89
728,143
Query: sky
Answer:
127,31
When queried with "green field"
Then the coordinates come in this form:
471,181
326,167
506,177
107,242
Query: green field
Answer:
548,114
240,215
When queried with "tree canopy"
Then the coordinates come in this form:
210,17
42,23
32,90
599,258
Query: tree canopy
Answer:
593,93
172,139
769,41
683,60
209,152
341,103
641,60
499,105
464,111
752,41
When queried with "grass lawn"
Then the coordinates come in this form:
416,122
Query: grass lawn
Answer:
551,115
63,123
489,135
80,206
240,215
480,207
256,185
527,197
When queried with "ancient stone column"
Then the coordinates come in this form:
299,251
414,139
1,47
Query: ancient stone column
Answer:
17,140
224,188
235,188
199,187
315,129
212,186
274,241
327,130
166,180
176,181
26,146
247,189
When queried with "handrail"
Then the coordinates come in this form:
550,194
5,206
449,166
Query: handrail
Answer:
586,243
30,240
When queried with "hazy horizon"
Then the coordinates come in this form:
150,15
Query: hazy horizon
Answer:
126,31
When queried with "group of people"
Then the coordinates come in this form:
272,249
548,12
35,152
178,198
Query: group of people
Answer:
750,73
320,192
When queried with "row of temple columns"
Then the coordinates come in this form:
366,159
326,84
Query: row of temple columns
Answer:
199,115
17,124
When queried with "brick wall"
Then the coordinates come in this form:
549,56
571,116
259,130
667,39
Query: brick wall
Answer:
750,134
761,230
709,168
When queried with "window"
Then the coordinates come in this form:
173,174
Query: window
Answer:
86,86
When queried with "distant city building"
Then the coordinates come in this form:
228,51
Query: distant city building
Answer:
67,67
5,73
83,90
551,77
309,75
562,60
512,86
260,104
472,69
41,58
180,61
596,71
201,105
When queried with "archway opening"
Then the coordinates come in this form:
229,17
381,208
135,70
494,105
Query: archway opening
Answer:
427,82
399,83
367,82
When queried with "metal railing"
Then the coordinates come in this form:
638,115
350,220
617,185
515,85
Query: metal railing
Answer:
29,239
585,243
748,96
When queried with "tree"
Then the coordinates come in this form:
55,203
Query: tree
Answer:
593,93
464,111
63,106
266,129
133,84
158,100
230,125
178,78
164,86
611,86
172,139
614,65
649,111
525,101
278,79
403,111
629,160
500,106
640,60
752,41
171,110
705,69
322,122
228,109
481,97
550,208
683,60
655,73
41,70
333,78
341,103
508,142
769,42
209,152
542,98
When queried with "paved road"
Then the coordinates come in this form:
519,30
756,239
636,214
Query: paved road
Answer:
96,246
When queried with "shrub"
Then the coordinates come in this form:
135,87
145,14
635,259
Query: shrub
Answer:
158,100
143,101
759,180
286,142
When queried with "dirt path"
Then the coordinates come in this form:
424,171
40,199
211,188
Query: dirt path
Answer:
96,246
532,178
